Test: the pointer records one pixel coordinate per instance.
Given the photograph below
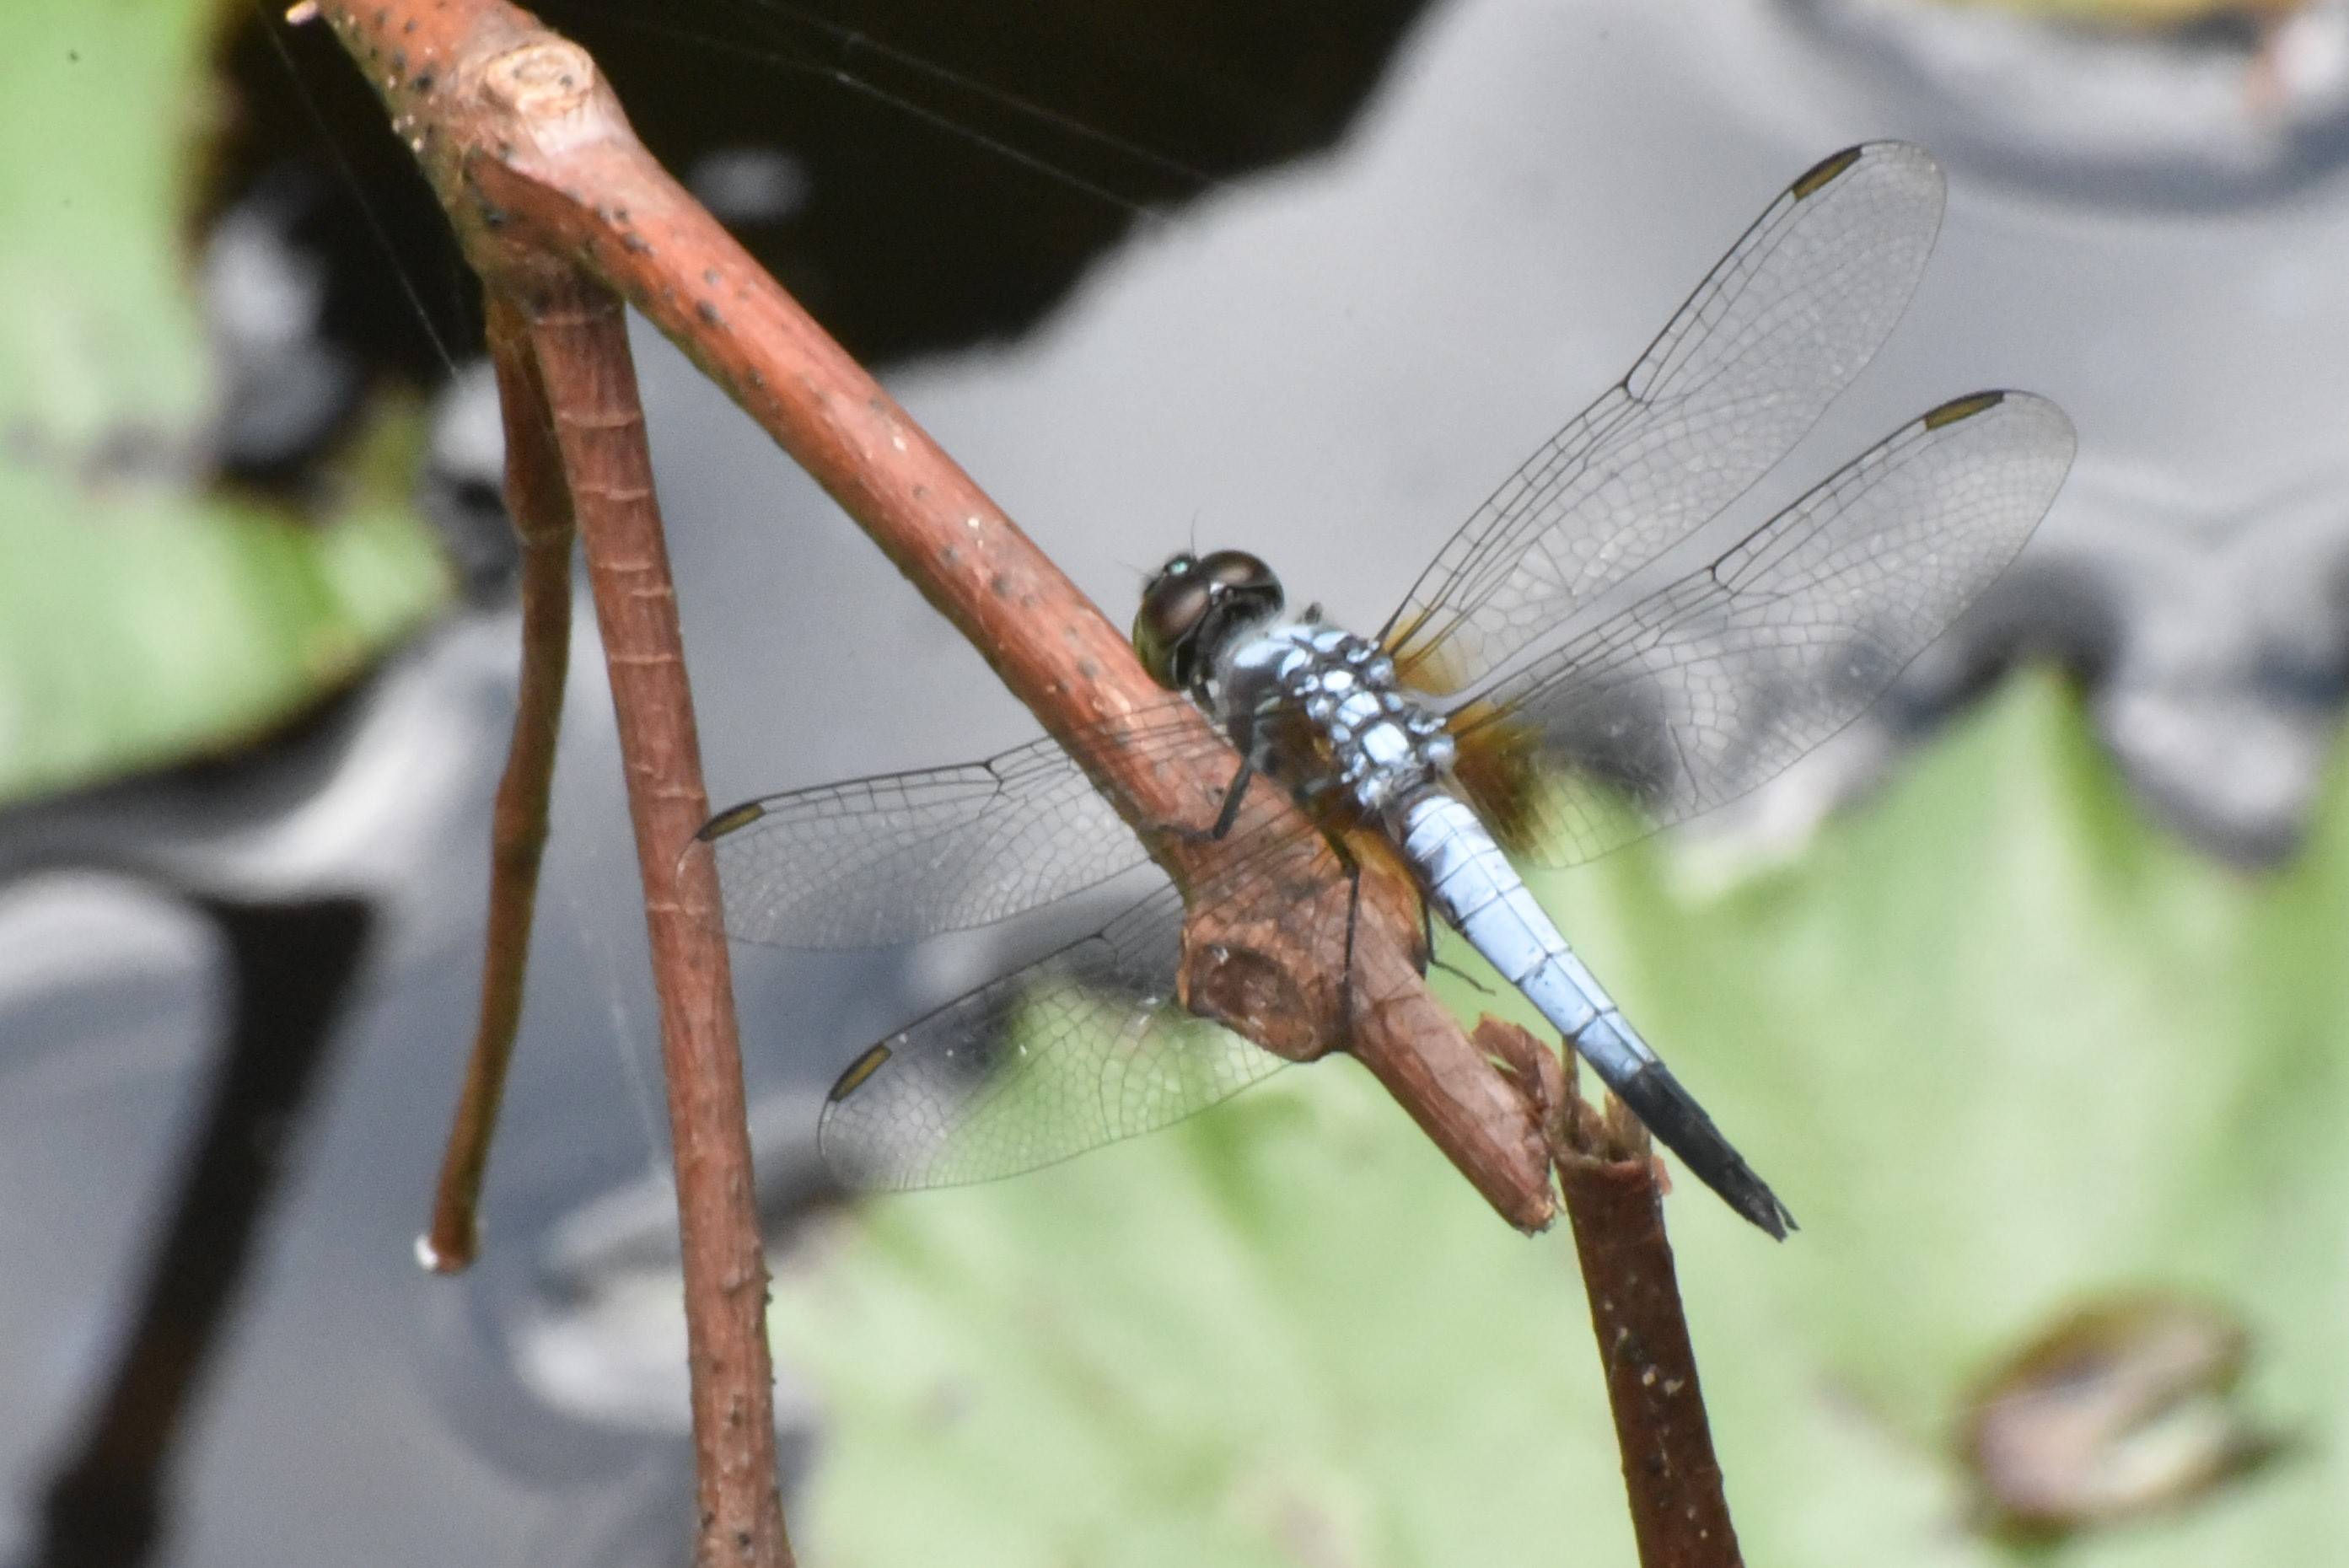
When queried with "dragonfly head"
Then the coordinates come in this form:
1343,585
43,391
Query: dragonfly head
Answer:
1194,606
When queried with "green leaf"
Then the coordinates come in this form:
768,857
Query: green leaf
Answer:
2001,1044
144,614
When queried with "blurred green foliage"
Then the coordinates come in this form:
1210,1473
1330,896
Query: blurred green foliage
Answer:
2001,1044
145,613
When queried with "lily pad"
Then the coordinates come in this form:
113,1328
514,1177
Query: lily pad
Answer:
145,613
2001,1044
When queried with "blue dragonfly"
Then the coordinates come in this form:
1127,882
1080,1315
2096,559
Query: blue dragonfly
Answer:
1557,683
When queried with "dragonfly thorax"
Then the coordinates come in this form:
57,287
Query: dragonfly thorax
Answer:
1318,709
1314,706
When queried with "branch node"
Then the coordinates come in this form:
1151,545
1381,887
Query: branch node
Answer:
546,79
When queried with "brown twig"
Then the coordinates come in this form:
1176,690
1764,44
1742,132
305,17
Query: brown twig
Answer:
523,140
579,333
539,501
1614,1202
458,79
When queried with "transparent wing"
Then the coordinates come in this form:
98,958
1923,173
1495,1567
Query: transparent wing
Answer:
1711,685
1783,324
880,860
1079,1048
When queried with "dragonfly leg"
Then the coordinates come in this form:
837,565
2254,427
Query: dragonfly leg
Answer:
1429,959
1353,869
1319,789
1427,936
1235,795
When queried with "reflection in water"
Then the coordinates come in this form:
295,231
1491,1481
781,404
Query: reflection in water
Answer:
2173,102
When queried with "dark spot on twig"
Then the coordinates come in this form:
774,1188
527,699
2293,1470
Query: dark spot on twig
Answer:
709,277
999,585
707,312
425,81
636,244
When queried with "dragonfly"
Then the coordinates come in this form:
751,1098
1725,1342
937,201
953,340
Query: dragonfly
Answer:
1555,685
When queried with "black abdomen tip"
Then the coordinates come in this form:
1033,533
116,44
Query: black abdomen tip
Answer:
1680,1125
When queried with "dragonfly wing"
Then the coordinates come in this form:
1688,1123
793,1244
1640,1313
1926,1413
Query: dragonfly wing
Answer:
1084,1047
880,860
1712,684
1781,324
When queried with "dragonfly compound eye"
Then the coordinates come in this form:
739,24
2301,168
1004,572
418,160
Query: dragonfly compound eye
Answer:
1172,608
1195,606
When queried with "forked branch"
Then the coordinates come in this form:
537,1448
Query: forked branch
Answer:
564,213
577,444
512,125
528,147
